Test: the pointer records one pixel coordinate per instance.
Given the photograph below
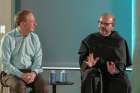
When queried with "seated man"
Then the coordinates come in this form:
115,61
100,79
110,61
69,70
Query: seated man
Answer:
21,56
103,58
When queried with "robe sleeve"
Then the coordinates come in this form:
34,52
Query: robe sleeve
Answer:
122,53
83,53
90,77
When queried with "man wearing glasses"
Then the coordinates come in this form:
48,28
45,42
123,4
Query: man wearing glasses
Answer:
103,59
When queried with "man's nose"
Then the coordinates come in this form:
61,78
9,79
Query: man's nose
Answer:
35,24
104,26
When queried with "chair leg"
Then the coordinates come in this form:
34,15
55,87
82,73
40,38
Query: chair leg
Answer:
11,91
1,89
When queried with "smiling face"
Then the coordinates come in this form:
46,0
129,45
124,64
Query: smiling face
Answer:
106,24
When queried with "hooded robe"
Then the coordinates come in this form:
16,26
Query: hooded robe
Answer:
108,48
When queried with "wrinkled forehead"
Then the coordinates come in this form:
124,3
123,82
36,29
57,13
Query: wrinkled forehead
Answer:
107,19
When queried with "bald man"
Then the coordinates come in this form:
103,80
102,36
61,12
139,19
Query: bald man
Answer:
103,58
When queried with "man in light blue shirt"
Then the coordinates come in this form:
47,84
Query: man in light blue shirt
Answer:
21,56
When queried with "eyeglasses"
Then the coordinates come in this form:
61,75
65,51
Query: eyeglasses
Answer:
103,23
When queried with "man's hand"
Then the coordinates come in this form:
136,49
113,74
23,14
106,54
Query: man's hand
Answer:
111,68
32,77
91,61
29,77
25,77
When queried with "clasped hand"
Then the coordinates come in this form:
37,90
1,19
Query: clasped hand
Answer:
29,77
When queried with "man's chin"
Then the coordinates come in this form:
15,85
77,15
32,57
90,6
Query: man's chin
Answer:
105,34
32,30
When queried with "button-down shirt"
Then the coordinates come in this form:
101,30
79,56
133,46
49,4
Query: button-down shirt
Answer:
18,52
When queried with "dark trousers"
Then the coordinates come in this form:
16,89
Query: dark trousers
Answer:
17,85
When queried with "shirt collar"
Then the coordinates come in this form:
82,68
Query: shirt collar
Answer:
17,33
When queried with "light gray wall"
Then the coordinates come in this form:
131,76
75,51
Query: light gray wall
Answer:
5,15
136,66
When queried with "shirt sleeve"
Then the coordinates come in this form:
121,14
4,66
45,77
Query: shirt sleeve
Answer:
5,56
37,59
